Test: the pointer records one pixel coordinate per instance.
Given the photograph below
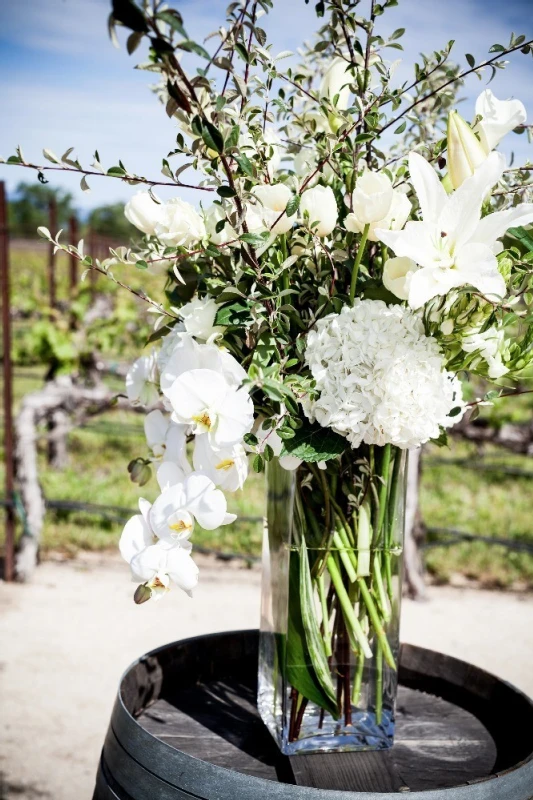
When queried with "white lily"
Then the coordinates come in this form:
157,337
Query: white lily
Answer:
499,117
465,151
227,467
166,439
196,498
154,562
452,245
141,381
203,399
199,318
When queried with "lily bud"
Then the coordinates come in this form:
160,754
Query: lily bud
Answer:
465,152
142,594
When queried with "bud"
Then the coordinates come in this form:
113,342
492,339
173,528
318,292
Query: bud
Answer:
142,594
465,152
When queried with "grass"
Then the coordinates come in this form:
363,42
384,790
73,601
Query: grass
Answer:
452,496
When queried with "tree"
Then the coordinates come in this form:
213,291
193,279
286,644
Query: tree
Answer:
110,221
29,208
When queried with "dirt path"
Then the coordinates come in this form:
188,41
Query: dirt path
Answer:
66,638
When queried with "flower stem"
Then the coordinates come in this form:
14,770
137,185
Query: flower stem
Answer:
347,608
326,633
357,262
379,684
383,491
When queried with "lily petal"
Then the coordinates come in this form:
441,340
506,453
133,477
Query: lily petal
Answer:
430,191
491,228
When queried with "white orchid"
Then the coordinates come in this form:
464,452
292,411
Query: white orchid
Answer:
179,224
499,117
452,245
394,220
143,212
152,561
199,318
195,498
166,439
321,206
204,400
186,354
141,381
226,467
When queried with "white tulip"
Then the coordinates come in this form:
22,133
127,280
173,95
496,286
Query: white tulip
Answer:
273,199
397,274
320,204
199,318
179,224
372,197
196,498
143,212
499,117
214,214
452,245
227,467
336,81
203,399
399,211
141,381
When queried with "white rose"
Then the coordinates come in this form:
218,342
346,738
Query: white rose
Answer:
199,317
143,212
372,197
399,211
273,199
320,204
499,118
397,274
180,224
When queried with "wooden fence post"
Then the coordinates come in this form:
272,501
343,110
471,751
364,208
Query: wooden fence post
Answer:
52,226
9,552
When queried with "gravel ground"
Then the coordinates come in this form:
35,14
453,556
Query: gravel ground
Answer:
67,637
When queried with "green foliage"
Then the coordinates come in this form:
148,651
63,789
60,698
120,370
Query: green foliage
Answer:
29,207
313,443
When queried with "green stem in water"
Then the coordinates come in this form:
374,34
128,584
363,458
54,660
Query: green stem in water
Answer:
325,615
357,262
373,613
379,684
358,678
383,490
383,599
345,556
352,622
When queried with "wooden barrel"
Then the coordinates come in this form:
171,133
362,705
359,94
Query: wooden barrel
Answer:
185,725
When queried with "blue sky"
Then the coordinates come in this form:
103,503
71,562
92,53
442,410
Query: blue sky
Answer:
63,84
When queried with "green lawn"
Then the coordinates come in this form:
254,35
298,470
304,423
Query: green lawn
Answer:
472,500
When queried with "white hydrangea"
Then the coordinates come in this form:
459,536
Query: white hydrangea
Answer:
381,379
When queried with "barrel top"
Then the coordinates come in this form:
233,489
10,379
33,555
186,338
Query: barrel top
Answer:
185,724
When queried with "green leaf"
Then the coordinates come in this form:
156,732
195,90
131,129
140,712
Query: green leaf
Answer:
174,19
130,15
314,443
398,33
245,165
116,171
255,239
133,42
226,191
300,671
258,463
233,314
471,60
192,47
212,137
401,128
525,237
293,205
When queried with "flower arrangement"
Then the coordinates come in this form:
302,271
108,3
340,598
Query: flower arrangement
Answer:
358,254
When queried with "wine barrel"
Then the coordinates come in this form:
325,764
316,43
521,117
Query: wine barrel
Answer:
185,725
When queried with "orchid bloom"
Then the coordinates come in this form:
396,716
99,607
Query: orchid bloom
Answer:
166,439
141,381
452,245
226,467
187,354
195,498
204,400
154,562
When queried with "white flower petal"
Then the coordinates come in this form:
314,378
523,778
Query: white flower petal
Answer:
430,191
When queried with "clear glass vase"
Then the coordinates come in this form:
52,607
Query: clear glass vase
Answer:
329,642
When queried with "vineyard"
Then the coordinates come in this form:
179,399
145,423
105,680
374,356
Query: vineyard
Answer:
475,497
